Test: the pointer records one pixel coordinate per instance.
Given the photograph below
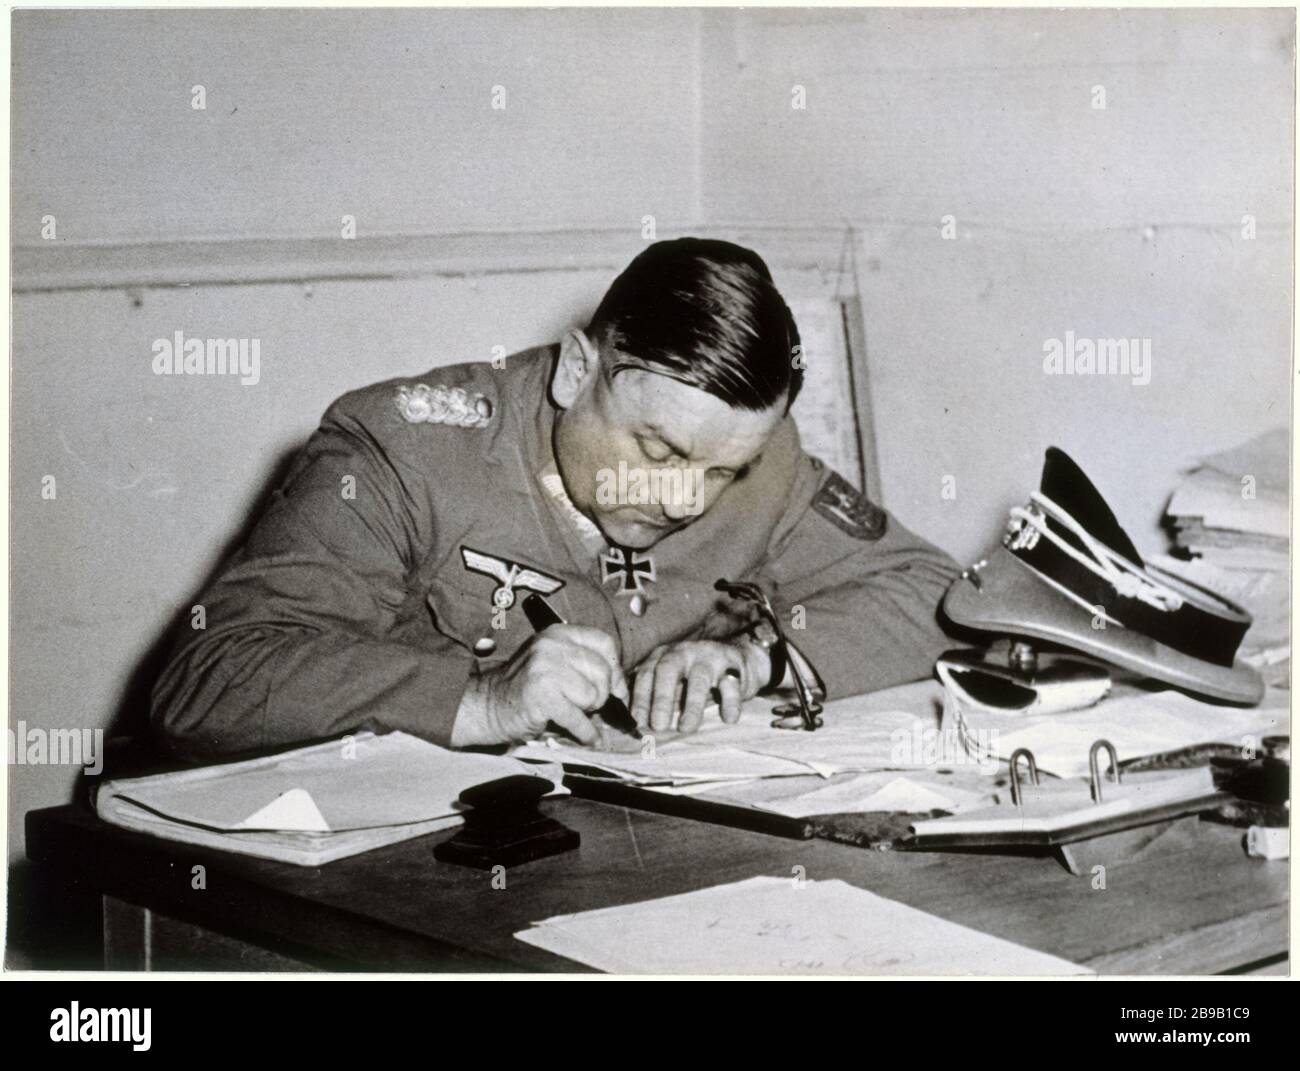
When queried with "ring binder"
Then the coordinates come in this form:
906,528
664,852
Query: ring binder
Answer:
1108,814
1094,775
1015,772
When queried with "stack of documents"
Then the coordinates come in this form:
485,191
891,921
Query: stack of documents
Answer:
746,751
1138,724
858,761
780,926
314,804
1232,515
886,792
672,762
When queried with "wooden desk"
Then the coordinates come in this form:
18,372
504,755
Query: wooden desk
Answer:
1207,909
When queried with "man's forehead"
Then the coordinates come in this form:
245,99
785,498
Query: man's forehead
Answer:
690,419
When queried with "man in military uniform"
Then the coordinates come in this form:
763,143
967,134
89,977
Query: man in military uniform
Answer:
381,589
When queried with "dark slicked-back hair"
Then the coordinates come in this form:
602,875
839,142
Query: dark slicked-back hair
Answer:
706,313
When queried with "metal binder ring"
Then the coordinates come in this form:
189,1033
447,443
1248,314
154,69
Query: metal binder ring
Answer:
1094,773
1015,771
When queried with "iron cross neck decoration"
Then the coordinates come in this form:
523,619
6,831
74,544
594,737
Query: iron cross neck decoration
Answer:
630,568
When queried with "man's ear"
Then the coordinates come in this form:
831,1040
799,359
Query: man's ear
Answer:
576,367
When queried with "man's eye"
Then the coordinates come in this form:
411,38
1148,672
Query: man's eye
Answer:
654,451
731,474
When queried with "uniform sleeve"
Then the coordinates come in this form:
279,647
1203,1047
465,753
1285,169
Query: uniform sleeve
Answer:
869,589
297,640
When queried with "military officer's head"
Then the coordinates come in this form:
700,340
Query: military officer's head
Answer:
674,388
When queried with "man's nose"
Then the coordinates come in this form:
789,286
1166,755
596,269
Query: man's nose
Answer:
693,499
676,508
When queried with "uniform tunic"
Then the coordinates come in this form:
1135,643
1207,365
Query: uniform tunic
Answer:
351,605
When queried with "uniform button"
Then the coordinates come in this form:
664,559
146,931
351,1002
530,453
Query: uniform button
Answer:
484,646
637,605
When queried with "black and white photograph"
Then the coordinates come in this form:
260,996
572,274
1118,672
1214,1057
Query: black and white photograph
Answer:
654,492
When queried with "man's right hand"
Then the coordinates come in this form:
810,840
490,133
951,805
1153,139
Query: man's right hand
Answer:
559,675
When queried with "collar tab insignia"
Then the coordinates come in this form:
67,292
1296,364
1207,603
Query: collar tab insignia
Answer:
849,509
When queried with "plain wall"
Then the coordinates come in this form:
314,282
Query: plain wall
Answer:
383,115
1118,222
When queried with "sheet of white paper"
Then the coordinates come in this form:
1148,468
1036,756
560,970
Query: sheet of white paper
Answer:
672,763
1266,457
703,788
886,743
295,810
881,792
750,749
1143,724
1217,499
361,783
775,926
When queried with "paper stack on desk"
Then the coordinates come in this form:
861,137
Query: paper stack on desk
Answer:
777,926
311,805
1138,723
675,763
1234,507
749,750
860,760
1232,514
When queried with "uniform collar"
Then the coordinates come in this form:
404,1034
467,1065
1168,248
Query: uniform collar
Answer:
536,414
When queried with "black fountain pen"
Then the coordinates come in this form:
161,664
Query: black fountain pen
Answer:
541,614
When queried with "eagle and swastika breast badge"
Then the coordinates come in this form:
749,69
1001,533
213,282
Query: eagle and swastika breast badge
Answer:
509,576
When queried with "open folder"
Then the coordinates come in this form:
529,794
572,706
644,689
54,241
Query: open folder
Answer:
1063,811
314,804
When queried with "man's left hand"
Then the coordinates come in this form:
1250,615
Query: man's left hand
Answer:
677,680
